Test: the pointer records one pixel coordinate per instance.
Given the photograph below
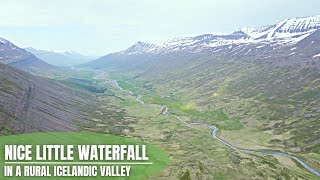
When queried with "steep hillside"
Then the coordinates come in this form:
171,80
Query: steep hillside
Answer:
29,103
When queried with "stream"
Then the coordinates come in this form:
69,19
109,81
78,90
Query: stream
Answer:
275,153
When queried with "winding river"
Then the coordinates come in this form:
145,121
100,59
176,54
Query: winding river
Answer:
215,136
275,153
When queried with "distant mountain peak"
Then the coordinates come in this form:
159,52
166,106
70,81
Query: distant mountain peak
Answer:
60,57
142,44
32,49
140,48
286,28
3,40
10,53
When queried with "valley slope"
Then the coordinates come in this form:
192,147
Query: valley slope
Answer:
32,104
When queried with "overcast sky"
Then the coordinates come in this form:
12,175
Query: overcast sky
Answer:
97,27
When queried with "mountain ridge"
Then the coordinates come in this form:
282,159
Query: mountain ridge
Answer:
262,41
60,58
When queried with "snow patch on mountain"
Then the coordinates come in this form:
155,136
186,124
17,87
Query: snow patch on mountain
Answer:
3,40
257,32
317,55
287,28
296,25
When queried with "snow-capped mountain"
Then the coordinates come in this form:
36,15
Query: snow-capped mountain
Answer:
60,58
286,28
10,53
15,56
140,48
263,41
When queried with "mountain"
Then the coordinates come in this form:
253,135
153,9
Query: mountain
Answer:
31,104
286,28
15,56
295,40
60,58
266,77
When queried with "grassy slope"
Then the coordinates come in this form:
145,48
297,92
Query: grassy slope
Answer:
282,98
